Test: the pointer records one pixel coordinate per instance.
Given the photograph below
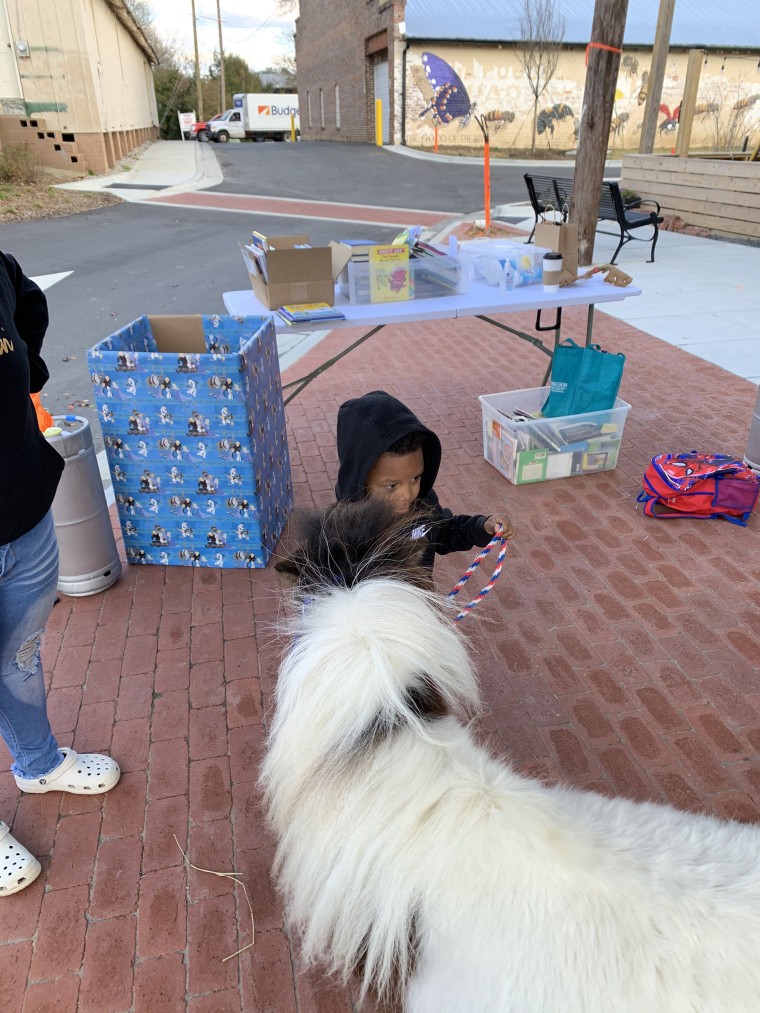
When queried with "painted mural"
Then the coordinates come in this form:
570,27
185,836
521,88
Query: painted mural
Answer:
455,86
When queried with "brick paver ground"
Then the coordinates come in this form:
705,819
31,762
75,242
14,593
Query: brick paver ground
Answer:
618,653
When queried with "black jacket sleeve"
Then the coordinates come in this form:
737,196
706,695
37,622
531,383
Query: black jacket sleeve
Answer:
31,321
455,532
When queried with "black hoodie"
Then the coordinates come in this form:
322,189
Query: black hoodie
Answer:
29,466
367,426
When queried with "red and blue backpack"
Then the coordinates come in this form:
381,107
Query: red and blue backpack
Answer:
699,485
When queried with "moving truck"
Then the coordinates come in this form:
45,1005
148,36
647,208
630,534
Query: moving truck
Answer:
256,117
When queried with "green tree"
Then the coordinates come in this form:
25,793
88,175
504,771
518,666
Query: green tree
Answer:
175,92
239,78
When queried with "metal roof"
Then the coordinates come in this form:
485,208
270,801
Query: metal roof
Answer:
696,23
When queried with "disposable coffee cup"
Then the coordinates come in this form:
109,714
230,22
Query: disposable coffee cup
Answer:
552,269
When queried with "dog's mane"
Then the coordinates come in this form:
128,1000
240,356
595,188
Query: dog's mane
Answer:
351,542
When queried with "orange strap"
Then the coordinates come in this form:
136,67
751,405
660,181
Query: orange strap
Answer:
601,45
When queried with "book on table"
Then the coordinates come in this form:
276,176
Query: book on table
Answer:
359,249
308,312
389,275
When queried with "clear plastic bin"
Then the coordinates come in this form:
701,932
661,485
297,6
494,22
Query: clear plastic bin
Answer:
528,449
430,278
504,264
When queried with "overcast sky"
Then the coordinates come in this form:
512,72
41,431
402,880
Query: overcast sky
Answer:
252,30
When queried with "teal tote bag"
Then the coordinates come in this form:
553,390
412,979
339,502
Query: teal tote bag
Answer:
583,379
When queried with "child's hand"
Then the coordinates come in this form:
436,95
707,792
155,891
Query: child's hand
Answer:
499,521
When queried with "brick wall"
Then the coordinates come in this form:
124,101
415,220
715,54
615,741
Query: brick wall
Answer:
332,39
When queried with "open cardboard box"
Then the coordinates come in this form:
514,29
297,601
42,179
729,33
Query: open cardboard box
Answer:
303,275
194,431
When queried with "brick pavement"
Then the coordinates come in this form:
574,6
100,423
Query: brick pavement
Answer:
617,652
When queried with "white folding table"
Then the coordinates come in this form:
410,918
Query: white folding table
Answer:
481,301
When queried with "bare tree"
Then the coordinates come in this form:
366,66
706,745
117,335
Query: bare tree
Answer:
729,104
142,12
542,29
286,61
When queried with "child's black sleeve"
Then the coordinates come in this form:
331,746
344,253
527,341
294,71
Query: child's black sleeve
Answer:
456,532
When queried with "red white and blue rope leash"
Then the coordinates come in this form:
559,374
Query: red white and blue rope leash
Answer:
472,568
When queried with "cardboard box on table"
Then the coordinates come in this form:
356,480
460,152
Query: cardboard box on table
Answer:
194,430
304,275
538,449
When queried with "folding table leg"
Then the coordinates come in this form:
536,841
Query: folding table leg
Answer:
302,381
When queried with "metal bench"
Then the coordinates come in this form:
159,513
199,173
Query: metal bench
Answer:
556,192
545,196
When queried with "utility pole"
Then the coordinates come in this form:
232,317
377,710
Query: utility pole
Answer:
198,89
222,84
656,75
603,63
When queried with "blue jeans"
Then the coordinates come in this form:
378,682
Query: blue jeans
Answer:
28,580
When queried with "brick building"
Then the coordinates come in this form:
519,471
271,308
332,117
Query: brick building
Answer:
401,51
347,55
76,82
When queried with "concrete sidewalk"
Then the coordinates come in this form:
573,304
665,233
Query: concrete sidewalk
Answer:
701,295
159,167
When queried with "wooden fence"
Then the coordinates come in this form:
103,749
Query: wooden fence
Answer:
718,194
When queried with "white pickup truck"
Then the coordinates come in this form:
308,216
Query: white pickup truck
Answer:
256,117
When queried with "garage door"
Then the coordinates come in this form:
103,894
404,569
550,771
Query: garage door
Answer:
381,92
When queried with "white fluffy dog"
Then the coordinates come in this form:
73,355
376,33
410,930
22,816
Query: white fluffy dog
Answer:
451,882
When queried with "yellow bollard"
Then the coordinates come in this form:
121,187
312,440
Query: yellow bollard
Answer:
292,126
379,122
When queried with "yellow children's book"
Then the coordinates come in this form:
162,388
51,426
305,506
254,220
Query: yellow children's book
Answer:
389,274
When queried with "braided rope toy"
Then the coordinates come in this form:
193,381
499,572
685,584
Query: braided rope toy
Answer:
472,568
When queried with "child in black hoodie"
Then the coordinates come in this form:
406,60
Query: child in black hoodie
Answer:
384,450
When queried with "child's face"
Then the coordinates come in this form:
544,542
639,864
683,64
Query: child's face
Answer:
396,479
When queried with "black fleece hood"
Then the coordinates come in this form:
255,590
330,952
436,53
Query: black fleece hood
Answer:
367,426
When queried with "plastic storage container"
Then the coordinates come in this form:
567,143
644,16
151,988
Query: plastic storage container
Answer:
504,264
429,278
89,561
527,449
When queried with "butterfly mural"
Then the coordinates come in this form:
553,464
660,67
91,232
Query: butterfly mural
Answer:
445,94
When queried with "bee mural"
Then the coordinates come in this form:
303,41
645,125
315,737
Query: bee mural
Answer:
498,117
745,103
631,64
617,124
644,89
547,117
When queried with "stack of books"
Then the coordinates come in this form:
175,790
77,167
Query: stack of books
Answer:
311,312
359,249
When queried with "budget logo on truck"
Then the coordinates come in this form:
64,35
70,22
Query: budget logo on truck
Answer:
272,110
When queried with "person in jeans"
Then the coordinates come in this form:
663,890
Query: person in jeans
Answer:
30,470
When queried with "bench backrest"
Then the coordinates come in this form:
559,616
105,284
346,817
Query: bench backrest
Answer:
557,192
563,187
611,202
541,192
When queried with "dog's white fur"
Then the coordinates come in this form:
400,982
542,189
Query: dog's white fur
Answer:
521,898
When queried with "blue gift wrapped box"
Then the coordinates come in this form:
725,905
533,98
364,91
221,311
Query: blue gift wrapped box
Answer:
194,431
